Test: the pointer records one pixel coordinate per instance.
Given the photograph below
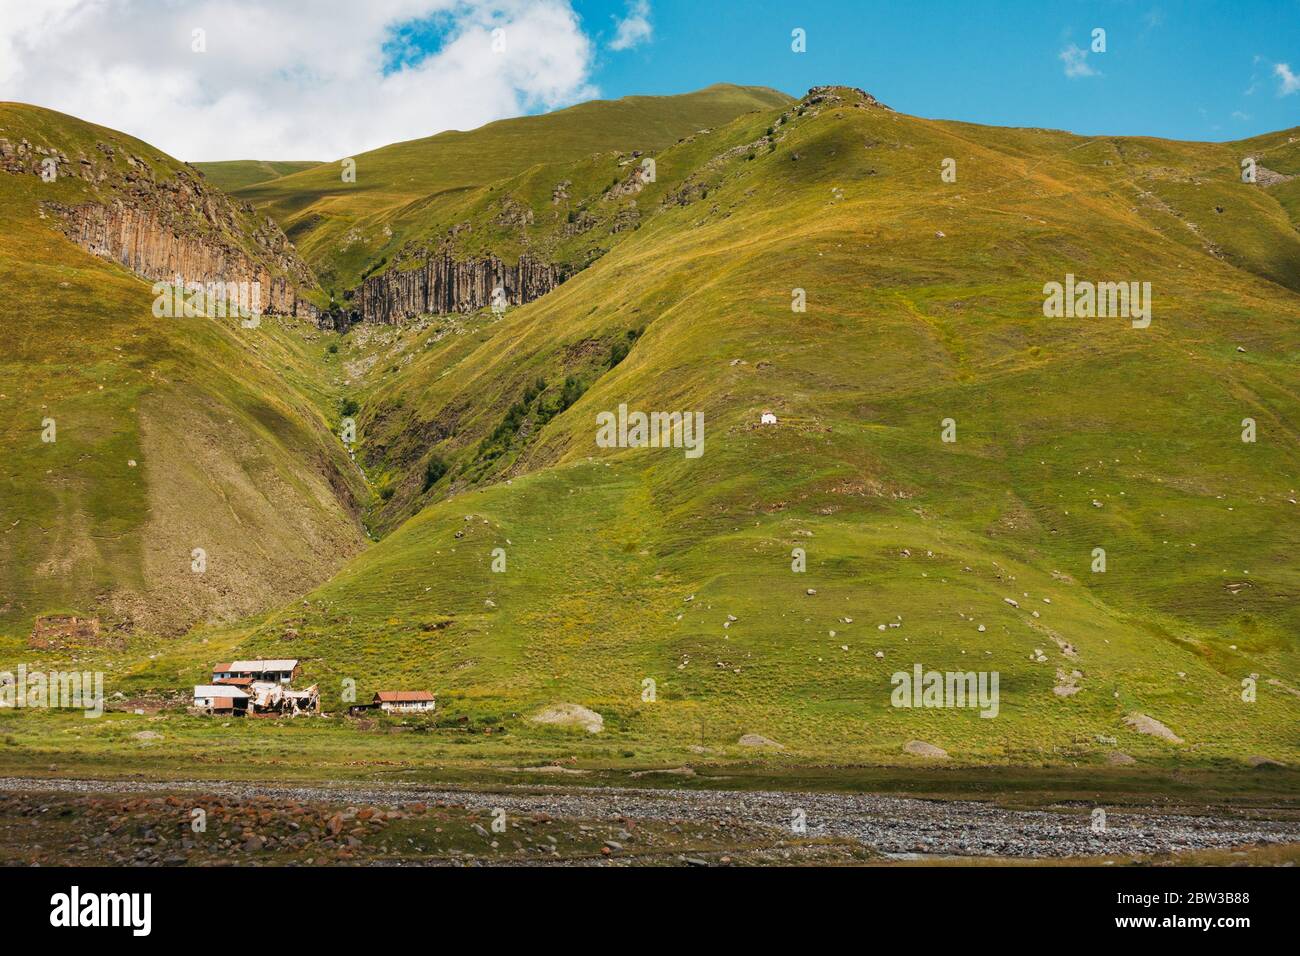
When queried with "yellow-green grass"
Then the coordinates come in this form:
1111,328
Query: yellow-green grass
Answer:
170,434
233,174
443,752
903,329
343,228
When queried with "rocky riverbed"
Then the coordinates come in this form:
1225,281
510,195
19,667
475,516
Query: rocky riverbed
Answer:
408,824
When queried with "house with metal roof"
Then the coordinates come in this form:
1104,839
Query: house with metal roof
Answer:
283,671
220,699
404,701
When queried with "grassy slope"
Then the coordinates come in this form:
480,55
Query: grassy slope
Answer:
903,329
226,457
233,174
342,229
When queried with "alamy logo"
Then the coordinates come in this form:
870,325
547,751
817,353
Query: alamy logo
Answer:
923,688
212,300
1101,300
654,430
75,908
76,690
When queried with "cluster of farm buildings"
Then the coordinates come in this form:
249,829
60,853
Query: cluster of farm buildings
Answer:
265,688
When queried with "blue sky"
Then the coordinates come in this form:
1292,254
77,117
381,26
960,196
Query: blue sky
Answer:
323,79
1186,70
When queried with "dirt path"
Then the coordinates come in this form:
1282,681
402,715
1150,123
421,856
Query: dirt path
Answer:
890,825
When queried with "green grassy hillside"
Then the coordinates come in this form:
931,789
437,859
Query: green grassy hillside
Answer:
924,304
345,229
236,173
169,434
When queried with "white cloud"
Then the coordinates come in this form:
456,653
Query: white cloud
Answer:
289,81
1075,59
1288,82
633,29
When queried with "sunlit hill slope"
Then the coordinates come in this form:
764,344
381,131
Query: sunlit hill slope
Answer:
811,259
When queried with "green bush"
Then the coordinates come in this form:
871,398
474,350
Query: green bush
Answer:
433,471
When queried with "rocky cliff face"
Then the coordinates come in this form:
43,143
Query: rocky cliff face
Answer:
445,285
161,227
144,242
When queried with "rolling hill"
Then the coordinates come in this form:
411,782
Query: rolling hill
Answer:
345,229
230,175
946,462
131,440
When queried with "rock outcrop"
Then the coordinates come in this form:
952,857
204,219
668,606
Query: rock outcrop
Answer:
141,240
841,96
445,285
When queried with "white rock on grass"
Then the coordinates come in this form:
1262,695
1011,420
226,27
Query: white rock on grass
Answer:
920,748
570,715
1151,727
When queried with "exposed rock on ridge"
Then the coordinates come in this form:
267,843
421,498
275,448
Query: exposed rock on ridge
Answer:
841,96
161,228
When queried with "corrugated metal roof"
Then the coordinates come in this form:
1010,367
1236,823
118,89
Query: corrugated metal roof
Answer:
255,667
402,696
218,690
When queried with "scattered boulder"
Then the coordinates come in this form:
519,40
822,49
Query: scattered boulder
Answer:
919,748
1264,762
1067,684
1152,727
570,715
1117,758
758,740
